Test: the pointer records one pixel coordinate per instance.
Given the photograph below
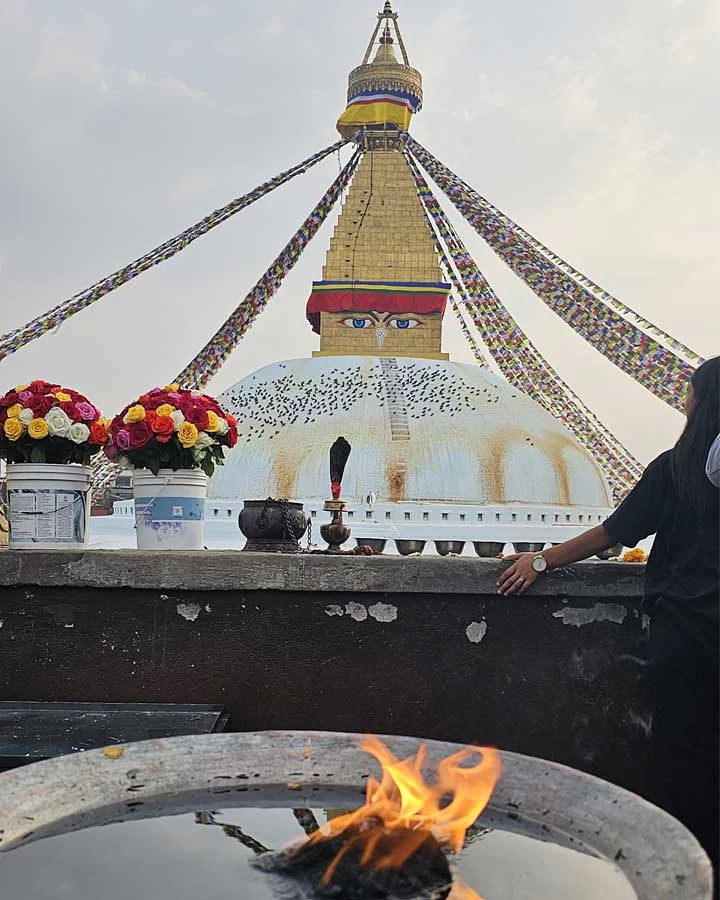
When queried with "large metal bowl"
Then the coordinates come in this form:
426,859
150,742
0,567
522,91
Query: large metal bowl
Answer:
659,857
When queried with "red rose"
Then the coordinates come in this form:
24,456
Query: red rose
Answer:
9,399
41,405
98,434
150,416
202,401
197,416
42,387
68,407
116,423
231,420
163,427
232,434
139,434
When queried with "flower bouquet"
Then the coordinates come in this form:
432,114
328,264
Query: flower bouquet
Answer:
169,428
46,423
173,439
48,435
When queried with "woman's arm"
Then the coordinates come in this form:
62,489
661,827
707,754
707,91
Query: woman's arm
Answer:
518,578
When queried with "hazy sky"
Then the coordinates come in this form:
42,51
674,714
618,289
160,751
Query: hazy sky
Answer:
592,124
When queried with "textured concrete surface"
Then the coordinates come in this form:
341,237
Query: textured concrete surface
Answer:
658,856
229,570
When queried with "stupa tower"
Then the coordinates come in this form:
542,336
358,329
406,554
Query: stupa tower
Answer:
441,451
382,292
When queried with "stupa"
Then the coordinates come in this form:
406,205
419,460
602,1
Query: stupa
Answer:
441,451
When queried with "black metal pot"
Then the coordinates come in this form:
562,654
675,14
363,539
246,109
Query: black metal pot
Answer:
272,526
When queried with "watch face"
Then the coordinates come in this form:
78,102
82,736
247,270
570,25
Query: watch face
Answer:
539,564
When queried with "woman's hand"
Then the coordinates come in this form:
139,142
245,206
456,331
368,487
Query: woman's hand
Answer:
518,578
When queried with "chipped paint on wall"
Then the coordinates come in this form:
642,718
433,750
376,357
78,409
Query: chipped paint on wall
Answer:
476,631
383,612
585,615
356,611
189,611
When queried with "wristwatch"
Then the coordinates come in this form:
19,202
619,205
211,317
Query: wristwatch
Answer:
539,563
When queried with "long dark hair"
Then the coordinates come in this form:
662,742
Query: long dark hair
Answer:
703,426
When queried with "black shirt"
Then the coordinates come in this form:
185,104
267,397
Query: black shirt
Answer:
683,571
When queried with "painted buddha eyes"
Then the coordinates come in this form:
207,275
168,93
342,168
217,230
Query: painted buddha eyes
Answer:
366,322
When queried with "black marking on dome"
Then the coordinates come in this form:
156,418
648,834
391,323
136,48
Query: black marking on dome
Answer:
264,408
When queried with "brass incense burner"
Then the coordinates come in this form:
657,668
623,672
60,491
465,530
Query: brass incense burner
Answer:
336,532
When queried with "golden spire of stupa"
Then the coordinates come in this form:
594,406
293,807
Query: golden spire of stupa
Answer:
384,91
382,292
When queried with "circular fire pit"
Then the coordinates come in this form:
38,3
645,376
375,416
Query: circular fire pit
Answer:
269,771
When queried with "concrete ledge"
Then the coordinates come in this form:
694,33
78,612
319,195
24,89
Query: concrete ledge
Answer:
229,570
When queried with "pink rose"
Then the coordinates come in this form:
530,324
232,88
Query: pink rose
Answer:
86,410
24,396
122,439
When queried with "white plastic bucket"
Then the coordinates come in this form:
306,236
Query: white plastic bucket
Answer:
169,509
48,506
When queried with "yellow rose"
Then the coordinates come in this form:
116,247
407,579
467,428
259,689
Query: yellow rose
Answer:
38,429
13,429
63,397
22,387
134,414
172,387
187,434
165,409
14,410
213,421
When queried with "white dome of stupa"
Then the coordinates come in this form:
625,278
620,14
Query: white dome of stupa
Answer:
421,430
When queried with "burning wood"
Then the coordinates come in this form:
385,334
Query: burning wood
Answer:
395,845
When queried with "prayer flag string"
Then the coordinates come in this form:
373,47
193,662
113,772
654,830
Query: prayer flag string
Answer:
519,361
207,363
14,340
646,360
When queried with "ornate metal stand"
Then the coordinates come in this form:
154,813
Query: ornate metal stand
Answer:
336,532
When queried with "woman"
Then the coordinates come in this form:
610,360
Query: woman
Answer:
675,501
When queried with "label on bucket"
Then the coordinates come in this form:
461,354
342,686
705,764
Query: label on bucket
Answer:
47,515
165,509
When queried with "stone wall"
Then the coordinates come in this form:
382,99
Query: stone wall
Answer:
420,646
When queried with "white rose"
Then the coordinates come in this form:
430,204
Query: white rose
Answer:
203,440
79,433
26,416
58,423
223,426
178,418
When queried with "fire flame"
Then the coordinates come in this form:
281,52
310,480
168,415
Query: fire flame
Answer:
403,799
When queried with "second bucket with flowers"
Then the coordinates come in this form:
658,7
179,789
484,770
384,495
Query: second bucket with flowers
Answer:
172,439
